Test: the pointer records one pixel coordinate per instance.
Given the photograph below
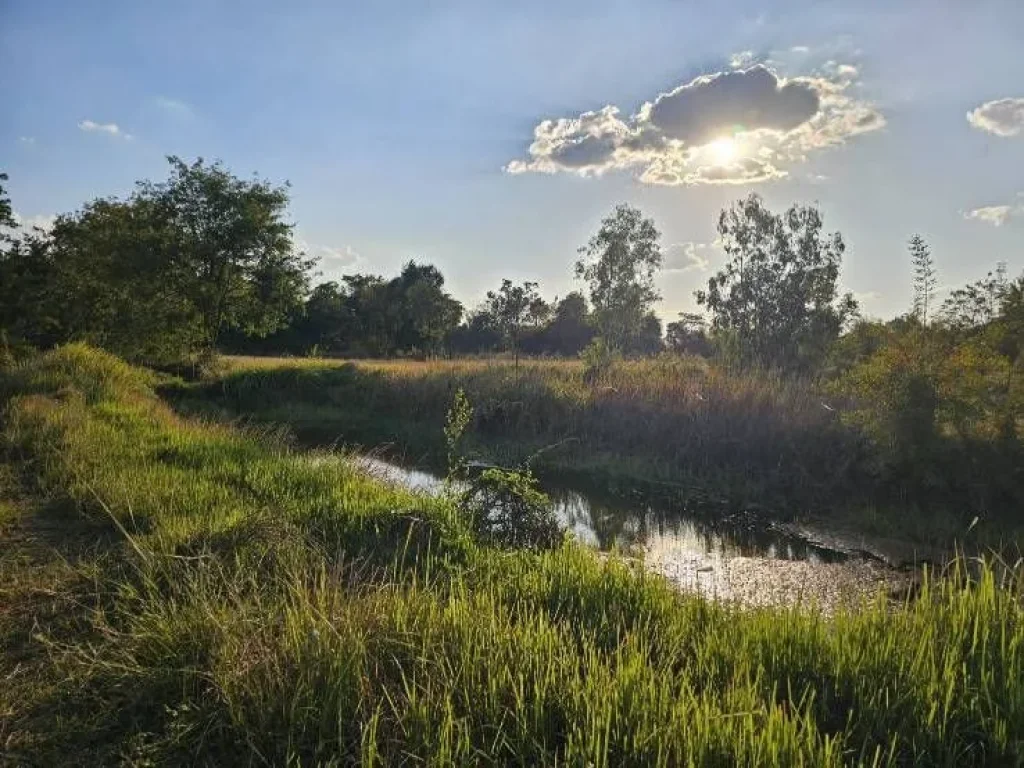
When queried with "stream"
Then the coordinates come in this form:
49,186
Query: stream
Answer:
738,558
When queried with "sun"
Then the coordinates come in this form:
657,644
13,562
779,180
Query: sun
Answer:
723,151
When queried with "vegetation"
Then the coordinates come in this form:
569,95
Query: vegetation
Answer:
178,592
696,434
775,303
619,264
781,396
162,274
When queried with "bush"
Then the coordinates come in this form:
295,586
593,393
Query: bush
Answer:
507,509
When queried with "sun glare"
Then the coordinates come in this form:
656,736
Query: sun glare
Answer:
723,151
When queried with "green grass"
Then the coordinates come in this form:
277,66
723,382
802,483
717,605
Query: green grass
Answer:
178,592
682,430
660,422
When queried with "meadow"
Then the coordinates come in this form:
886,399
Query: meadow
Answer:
683,430
180,591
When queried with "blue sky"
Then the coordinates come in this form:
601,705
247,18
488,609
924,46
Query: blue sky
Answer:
405,129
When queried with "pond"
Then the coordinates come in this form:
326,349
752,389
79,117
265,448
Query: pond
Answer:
738,557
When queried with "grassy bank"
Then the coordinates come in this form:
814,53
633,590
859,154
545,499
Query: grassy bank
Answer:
691,432
670,421
183,593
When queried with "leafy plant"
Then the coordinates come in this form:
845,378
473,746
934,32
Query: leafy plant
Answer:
598,358
505,507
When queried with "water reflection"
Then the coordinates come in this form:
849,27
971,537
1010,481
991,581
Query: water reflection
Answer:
663,534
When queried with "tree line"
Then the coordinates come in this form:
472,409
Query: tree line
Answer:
206,261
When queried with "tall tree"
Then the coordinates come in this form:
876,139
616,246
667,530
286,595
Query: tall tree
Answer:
426,313
6,211
514,307
925,280
776,301
230,246
977,304
619,264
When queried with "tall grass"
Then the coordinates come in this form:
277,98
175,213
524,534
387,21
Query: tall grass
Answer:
741,438
237,603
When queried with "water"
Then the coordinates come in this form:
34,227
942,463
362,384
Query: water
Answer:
736,560
607,522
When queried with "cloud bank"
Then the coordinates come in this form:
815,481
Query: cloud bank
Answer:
1002,117
770,123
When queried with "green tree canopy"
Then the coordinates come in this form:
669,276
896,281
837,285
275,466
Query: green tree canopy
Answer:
513,308
776,302
619,264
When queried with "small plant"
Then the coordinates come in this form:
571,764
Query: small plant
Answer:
598,358
459,414
505,507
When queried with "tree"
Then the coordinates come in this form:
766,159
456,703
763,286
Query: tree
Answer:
570,330
977,304
775,303
619,264
427,313
26,277
688,335
6,211
925,280
115,281
228,246
513,307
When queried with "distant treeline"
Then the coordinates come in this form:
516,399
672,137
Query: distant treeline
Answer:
206,261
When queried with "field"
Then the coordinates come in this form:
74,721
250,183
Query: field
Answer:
680,429
183,592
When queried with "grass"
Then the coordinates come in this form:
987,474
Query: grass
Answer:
179,592
675,422
681,429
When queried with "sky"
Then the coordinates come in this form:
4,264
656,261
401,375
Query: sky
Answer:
491,138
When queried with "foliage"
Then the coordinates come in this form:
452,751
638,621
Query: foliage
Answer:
160,615
925,279
514,307
410,314
6,211
776,300
977,304
598,358
161,274
458,418
507,509
619,264
688,335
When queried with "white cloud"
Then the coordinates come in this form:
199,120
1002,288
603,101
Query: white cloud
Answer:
867,297
26,224
111,129
686,257
996,215
1003,117
330,257
29,140
741,59
799,49
769,122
